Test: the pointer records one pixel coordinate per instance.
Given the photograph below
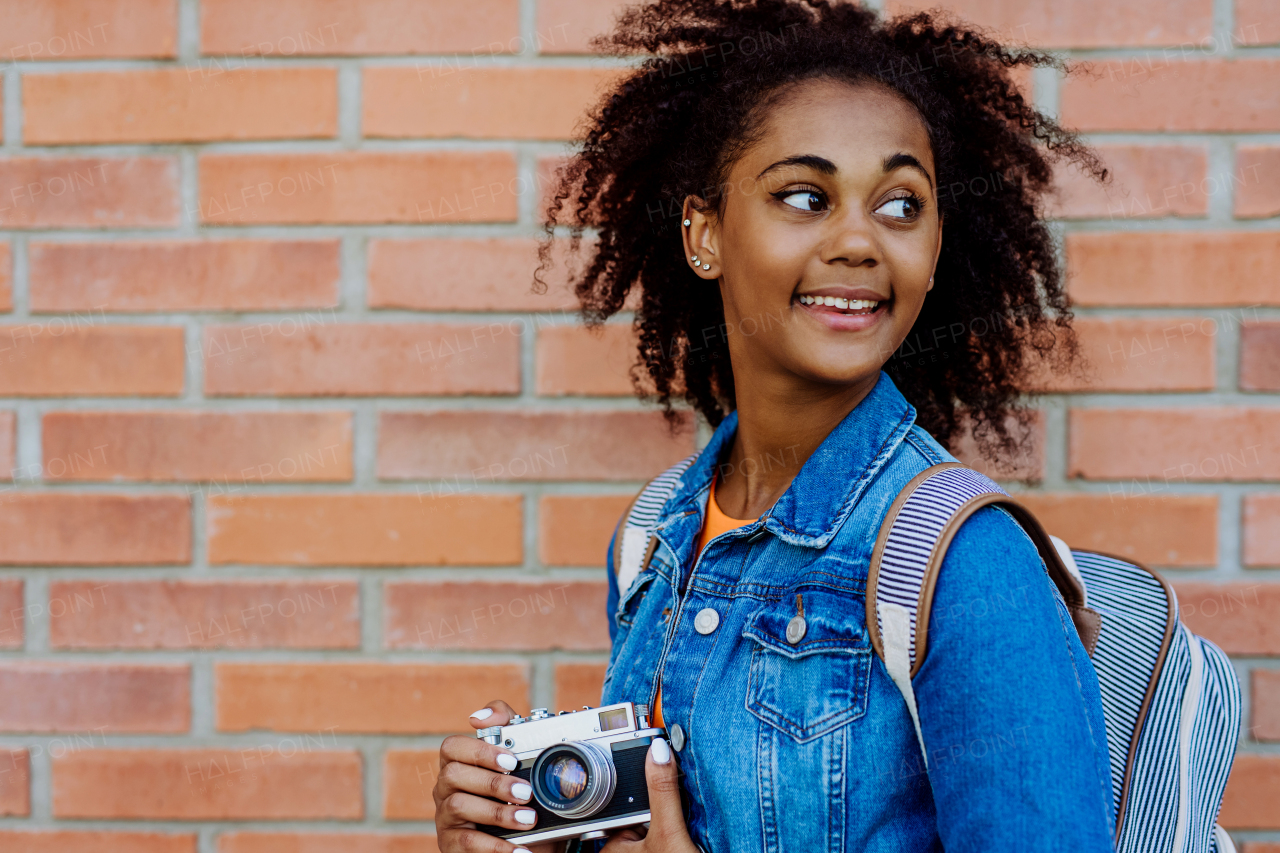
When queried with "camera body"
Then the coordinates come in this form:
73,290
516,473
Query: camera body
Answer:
586,769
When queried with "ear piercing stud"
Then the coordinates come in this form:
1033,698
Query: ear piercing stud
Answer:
694,259
706,266
687,223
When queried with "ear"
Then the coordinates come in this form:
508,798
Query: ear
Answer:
936,253
701,238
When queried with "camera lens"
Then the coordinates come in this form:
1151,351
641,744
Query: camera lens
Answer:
565,778
574,780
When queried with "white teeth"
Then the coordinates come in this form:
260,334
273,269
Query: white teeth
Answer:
840,303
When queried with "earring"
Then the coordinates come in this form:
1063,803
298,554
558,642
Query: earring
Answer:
687,223
706,266
931,279
694,259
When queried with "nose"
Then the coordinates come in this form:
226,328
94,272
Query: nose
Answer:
852,240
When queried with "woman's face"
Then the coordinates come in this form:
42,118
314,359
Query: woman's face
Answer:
834,203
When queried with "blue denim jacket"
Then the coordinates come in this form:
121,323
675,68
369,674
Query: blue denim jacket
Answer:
814,750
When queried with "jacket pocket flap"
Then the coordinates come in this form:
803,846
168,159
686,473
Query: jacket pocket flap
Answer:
830,622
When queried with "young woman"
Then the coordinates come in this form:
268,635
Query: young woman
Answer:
834,225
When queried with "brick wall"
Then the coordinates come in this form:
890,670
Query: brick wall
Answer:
302,473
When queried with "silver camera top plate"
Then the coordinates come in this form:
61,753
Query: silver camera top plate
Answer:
529,737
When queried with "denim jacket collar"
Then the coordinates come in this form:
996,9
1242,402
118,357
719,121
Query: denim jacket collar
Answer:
821,496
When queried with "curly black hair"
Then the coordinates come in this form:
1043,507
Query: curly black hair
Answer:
673,126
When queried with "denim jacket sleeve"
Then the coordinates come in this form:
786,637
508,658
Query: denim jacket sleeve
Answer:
1010,708
611,602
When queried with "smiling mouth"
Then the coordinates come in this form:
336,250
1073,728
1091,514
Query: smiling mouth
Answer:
837,304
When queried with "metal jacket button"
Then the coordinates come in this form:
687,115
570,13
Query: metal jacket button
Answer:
677,737
796,629
706,621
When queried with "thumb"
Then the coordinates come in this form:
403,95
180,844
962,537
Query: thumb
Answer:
663,781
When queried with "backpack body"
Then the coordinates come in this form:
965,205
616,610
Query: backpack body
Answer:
1171,700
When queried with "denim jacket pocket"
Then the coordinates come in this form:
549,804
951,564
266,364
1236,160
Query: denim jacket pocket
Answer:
818,683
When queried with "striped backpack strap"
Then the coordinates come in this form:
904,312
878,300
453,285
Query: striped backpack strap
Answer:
909,550
633,539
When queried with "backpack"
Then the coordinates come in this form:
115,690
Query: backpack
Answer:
1170,699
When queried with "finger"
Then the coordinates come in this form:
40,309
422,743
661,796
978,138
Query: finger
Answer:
461,807
496,713
622,841
663,780
470,779
475,841
472,750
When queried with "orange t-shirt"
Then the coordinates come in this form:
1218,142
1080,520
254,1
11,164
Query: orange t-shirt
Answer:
716,523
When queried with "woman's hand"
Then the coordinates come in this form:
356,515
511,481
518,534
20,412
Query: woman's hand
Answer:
667,832
472,788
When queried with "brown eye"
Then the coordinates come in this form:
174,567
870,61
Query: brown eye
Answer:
905,207
806,200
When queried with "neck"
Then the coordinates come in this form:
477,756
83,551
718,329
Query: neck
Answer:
778,430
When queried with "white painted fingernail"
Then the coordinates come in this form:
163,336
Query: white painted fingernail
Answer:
507,761
482,714
660,751
526,816
521,791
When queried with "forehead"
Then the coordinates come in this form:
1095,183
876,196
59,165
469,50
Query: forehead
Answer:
853,125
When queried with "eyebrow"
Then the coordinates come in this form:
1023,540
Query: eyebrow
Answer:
823,165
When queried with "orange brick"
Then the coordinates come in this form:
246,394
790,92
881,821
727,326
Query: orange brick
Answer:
1174,268
1260,357
1147,182
1242,618
1265,716
6,274
184,275
1083,24
473,446
53,528
358,187
1253,790
42,696
578,684
1164,530
315,842
1257,182
179,105
300,27
575,360
408,775
62,841
12,614
1262,530
504,615
88,192
1139,354
463,274
87,29
365,529
8,440
1175,445
310,357
238,448
1258,847
1026,463
257,783
439,100
1257,22
69,356
204,614
362,697
574,530
15,783
566,26
1157,93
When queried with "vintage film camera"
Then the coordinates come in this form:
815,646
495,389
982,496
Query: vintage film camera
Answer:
586,769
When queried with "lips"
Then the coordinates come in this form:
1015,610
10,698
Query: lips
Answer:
840,303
